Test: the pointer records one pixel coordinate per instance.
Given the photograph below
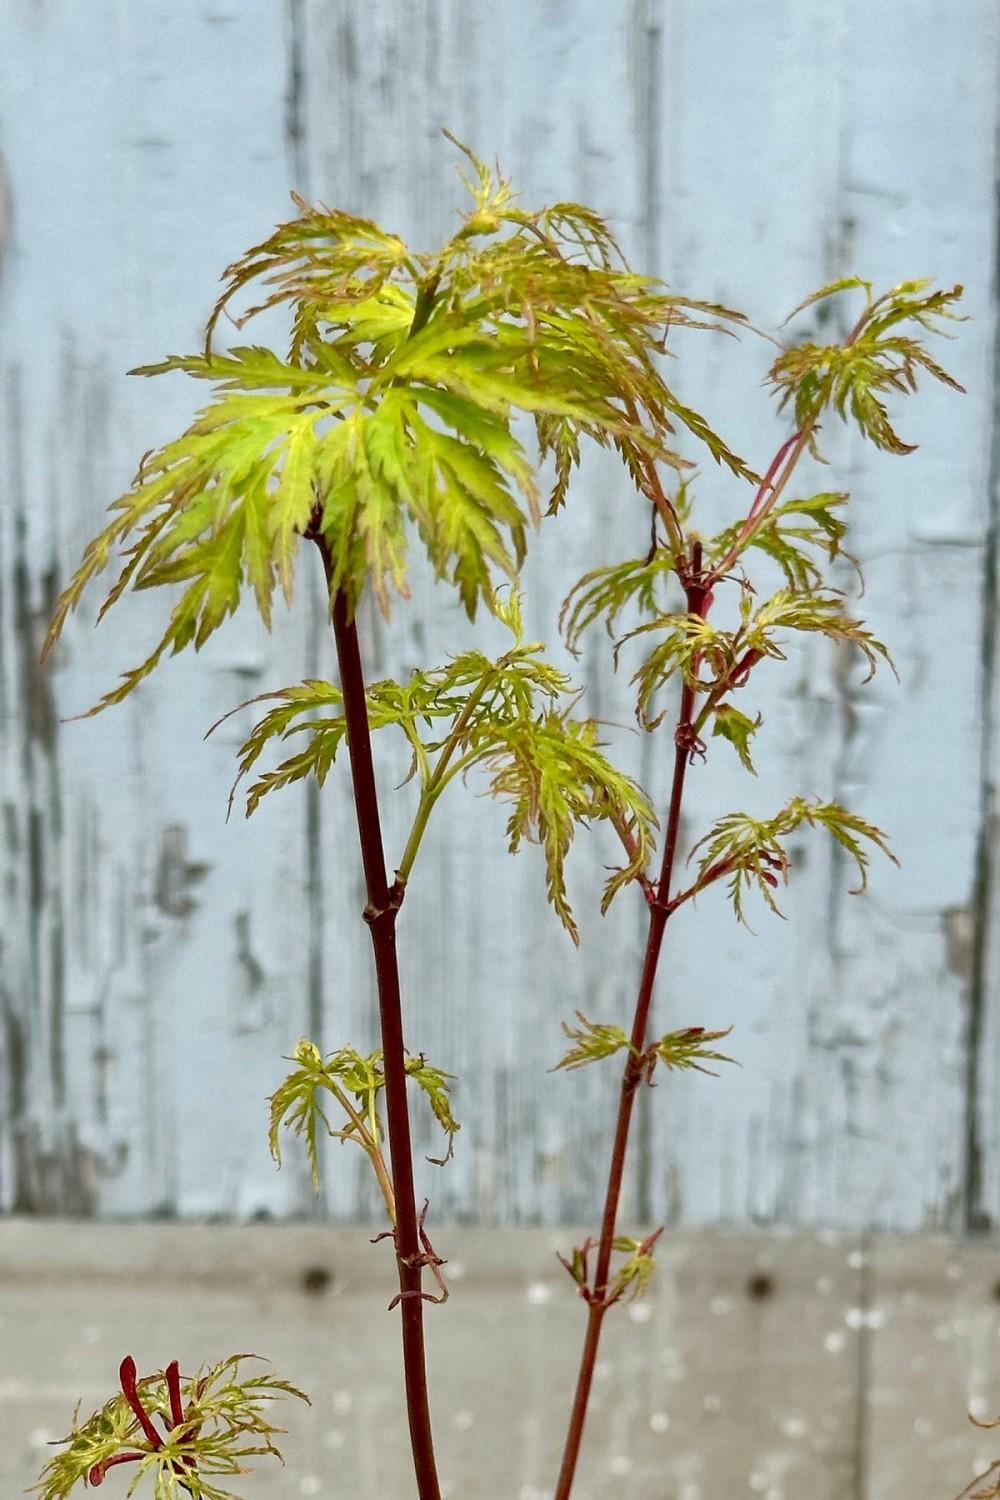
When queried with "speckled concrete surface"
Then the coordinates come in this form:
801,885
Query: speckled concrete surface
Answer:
785,1366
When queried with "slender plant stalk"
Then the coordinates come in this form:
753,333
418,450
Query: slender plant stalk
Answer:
698,591
436,785
658,914
368,1139
380,914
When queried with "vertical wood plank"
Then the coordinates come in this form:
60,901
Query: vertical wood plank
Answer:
153,953
155,962
853,1055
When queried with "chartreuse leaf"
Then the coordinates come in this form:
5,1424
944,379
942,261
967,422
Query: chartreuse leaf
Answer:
634,1274
435,1085
749,852
552,771
876,360
815,612
702,654
845,283
687,1048
716,661
323,256
728,723
393,411
607,591
226,1420
326,735
593,1040
788,531
298,1102
502,715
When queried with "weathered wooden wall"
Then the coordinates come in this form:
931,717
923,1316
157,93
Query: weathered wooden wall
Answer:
155,961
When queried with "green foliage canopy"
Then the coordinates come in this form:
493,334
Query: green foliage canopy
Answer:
394,409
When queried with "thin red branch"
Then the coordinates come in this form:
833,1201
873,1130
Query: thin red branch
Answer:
380,915
698,602
768,490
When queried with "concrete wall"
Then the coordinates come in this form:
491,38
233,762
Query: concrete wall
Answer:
838,1366
156,962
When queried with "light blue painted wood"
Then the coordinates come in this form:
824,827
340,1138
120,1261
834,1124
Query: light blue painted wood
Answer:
156,961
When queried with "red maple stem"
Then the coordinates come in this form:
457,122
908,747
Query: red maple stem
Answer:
698,602
698,586
380,914
768,490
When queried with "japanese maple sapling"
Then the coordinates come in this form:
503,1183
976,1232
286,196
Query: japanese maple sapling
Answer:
391,420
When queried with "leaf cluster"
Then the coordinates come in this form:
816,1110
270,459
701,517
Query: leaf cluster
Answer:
715,661
631,1277
876,359
226,1421
595,1040
297,1103
511,718
749,852
393,411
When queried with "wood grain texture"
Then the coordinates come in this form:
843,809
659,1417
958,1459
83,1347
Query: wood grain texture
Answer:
157,961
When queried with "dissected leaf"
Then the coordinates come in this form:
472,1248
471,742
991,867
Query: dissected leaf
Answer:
435,1084
225,1421
634,1274
393,411
594,1040
748,851
738,728
553,772
703,655
687,1048
854,378
815,612
297,1103
788,531
607,591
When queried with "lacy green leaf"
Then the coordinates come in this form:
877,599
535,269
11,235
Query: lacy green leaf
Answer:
392,412
749,852
792,534
729,723
226,1421
688,1048
876,361
552,771
593,1041
607,591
